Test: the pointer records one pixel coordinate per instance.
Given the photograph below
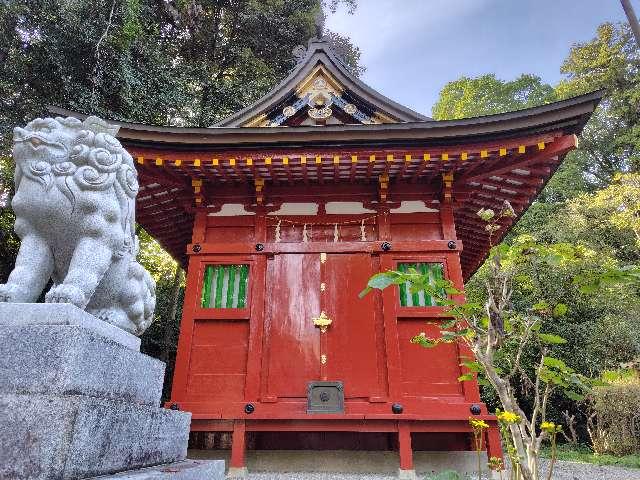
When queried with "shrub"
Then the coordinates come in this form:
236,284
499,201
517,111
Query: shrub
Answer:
615,422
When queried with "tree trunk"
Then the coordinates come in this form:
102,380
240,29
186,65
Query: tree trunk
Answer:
527,454
167,341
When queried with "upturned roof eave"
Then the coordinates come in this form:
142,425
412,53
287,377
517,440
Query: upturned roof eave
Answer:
570,115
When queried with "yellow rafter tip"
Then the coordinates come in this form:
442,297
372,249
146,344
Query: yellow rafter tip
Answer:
232,162
426,157
177,163
158,161
196,162
372,158
484,154
464,156
503,152
285,160
522,149
249,162
541,146
267,161
389,158
336,159
140,160
303,160
407,158
318,159
354,159
445,157
215,162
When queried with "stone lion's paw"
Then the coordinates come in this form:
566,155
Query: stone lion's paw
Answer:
116,317
10,293
64,293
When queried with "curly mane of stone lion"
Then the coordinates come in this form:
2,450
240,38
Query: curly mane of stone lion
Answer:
75,214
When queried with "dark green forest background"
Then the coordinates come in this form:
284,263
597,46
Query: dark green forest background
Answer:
191,62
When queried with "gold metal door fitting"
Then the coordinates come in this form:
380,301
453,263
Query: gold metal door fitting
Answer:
322,322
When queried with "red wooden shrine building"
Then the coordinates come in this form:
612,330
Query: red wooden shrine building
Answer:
282,212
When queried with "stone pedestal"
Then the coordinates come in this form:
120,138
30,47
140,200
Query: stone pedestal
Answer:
78,399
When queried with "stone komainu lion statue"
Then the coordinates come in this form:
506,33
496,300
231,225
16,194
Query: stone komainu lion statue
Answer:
75,213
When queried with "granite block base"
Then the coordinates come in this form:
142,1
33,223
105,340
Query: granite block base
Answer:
73,360
72,437
78,400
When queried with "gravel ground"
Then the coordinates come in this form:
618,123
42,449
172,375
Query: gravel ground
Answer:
562,471
588,471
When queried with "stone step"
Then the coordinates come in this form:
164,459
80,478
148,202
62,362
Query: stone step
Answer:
187,470
47,437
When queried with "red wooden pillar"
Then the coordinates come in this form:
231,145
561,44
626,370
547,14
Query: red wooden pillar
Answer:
392,347
447,219
404,446
494,442
181,372
238,445
256,329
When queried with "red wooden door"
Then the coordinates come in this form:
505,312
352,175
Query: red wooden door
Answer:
292,345
354,342
298,288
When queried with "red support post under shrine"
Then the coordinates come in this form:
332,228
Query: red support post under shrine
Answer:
494,441
238,445
404,446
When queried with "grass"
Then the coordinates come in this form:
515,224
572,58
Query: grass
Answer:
584,454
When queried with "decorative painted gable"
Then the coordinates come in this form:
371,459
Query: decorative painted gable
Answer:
321,91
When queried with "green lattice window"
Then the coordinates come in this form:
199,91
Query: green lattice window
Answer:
225,286
420,299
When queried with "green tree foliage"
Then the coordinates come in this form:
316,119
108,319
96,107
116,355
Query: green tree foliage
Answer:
160,62
610,61
486,95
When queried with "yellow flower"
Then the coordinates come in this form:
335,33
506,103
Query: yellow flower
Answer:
478,424
550,427
496,464
508,417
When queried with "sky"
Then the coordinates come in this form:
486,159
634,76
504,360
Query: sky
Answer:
412,48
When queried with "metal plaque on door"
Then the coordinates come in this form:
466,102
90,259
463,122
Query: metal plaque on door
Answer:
325,397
